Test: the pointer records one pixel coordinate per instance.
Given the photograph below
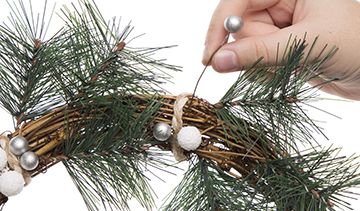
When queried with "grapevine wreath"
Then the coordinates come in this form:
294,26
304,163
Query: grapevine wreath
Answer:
84,98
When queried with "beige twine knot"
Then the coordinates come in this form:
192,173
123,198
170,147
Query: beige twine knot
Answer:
13,161
177,124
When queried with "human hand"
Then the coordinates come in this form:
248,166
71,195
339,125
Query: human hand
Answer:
270,23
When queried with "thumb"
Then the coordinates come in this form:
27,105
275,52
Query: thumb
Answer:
244,52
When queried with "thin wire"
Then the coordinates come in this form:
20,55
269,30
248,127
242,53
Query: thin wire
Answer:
207,65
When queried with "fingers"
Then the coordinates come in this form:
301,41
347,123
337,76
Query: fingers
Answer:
261,4
216,32
258,16
335,89
244,52
255,29
256,23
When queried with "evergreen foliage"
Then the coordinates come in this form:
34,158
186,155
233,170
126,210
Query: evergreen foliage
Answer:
103,97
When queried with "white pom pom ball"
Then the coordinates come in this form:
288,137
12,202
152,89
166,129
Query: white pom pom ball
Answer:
11,183
3,159
189,138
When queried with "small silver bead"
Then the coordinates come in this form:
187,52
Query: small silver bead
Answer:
233,24
162,131
29,161
18,145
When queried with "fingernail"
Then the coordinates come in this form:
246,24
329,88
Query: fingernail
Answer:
225,61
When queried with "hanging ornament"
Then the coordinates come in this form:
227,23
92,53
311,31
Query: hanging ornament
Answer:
11,183
233,24
3,159
189,138
162,131
18,145
29,161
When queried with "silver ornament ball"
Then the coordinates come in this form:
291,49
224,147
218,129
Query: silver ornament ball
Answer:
29,161
18,145
162,131
233,23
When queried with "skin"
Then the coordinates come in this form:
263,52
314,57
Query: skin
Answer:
269,23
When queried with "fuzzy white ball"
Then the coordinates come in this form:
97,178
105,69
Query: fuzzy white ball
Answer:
3,159
189,138
11,183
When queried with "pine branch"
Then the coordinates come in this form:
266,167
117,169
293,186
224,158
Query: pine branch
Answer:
206,187
25,64
107,151
312,181
103,64
110,181
272,97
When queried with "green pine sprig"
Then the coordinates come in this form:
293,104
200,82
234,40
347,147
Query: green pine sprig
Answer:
316,181
206,187
274,98
26,61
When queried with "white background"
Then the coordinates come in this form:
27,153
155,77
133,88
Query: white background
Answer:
181,22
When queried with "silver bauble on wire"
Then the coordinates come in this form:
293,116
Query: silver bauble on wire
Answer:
29,161
162,131
233,23
18,145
